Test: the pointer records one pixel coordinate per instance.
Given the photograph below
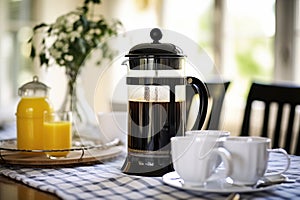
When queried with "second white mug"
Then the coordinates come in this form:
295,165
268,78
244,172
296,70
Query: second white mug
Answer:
250,156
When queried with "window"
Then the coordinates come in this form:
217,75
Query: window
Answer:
247,37
248,53
15,30
249,41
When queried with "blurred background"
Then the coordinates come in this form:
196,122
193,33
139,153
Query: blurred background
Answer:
247,40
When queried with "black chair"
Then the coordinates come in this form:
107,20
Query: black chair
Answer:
217,91
283,95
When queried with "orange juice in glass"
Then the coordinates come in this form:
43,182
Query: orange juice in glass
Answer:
57,134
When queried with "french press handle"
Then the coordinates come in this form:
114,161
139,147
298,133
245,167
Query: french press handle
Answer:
199,88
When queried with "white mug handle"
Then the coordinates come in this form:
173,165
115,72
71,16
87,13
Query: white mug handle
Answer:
288,161
226,158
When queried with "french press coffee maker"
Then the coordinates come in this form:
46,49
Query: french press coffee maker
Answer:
157,104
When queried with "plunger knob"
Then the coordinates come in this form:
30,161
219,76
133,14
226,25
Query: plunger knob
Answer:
156,35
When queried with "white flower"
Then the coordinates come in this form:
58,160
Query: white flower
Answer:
98,31
65,48
58,44
68,57
80,28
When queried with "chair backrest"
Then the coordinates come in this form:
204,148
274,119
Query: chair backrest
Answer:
216,90
283,95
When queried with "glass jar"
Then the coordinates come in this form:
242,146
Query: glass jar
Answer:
30,114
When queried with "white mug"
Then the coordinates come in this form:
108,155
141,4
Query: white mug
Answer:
217,134
194,158
250,156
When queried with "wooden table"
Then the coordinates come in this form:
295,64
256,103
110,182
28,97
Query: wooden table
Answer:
13,190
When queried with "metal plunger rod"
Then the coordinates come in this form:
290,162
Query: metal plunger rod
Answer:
171,110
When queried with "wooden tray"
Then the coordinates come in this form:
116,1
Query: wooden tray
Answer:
77,155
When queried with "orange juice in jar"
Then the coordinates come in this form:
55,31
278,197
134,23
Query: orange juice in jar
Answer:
30,115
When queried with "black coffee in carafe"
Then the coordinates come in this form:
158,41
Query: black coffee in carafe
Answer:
150,128
152,124
156,113
156,105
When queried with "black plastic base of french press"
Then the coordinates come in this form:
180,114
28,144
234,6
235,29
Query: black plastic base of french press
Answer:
141,169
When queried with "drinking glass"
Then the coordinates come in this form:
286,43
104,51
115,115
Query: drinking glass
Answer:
57,134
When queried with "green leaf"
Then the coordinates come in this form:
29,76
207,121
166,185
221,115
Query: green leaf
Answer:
76,24
50,29
44,59
82,45
32,52
30,40
93,1
39,26
97,1
85,9
85,23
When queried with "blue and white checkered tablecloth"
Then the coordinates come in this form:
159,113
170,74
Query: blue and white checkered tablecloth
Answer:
106,181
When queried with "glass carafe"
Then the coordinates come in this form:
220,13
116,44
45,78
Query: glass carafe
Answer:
30,114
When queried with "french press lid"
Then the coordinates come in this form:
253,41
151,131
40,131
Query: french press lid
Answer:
34,88
155,49
155,55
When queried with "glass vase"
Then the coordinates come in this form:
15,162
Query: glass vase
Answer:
84,128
